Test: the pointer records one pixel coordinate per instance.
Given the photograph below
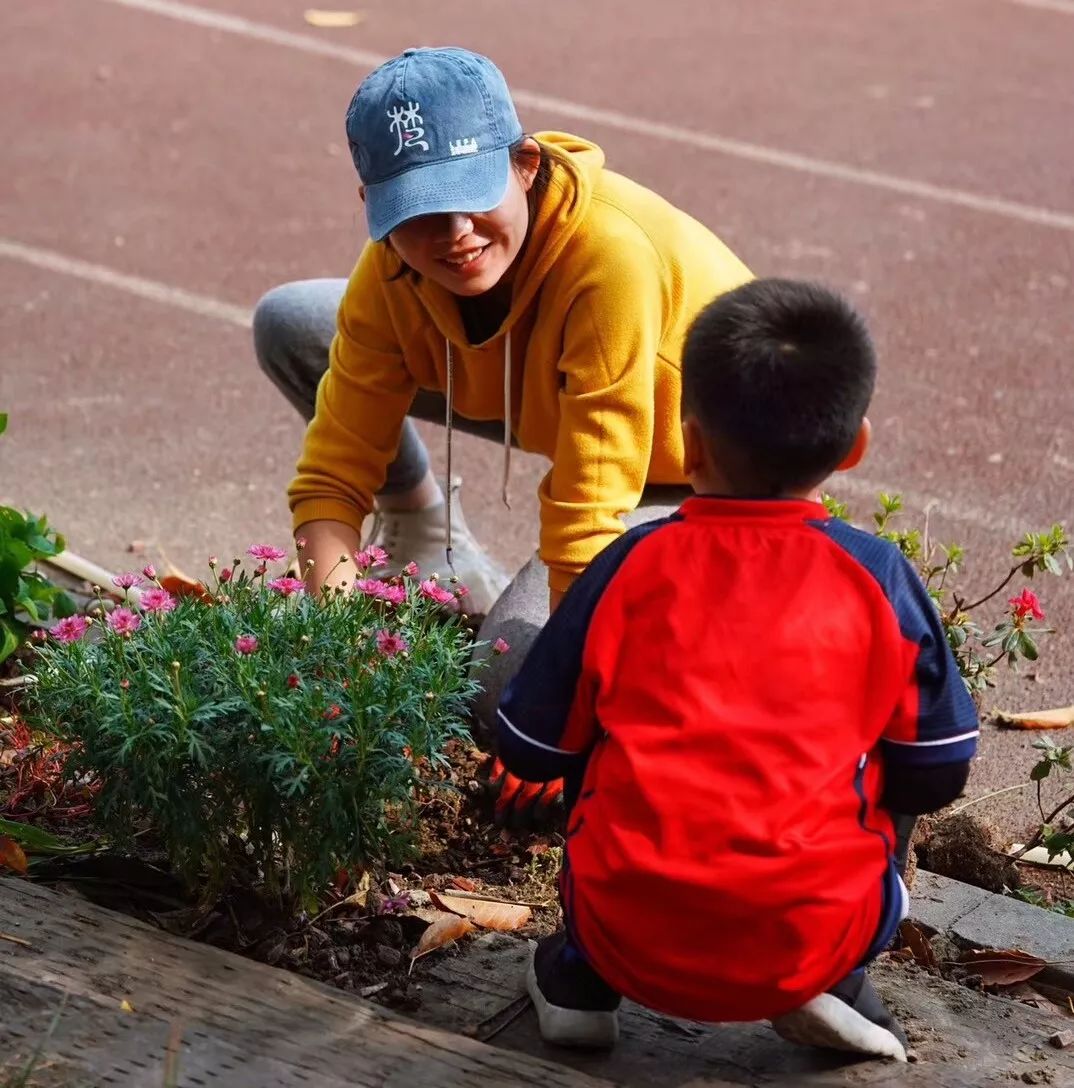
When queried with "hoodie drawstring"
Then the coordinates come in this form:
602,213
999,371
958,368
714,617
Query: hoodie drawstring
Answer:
505,491
449,397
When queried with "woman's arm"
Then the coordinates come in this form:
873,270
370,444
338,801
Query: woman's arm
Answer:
321,546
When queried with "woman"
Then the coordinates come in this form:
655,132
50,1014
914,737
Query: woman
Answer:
511,283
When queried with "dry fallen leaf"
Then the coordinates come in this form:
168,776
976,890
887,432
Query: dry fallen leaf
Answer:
332,19
1002,966
919,945
464,884
447,928
1060,718
126,1006
504,917
12,855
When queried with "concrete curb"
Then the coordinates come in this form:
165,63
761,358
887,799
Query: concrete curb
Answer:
975,918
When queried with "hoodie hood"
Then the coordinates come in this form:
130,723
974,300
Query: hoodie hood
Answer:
576,164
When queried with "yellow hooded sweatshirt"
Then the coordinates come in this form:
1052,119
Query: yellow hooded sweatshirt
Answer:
608,283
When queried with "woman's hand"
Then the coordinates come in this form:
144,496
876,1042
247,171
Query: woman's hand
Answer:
324,543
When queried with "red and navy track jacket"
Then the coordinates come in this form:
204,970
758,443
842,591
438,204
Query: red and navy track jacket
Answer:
727,688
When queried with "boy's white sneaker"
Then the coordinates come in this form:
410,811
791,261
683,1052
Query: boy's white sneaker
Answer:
850,1018
593,1022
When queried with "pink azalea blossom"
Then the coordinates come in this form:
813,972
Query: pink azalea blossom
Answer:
127,579
390,644
226,574
149,571
287,586
123,621
265,551
437,593
158,600
1026,604
501,646
411,569
70,629
373,556
246,644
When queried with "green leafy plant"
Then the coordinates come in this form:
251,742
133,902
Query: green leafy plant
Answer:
1056,830
27,598
255,726
1013,636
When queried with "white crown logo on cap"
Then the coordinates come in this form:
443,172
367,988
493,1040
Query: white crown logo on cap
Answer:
406,123
463,147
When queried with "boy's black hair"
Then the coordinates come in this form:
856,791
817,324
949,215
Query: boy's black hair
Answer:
779,374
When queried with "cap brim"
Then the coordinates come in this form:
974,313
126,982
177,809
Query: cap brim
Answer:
468,183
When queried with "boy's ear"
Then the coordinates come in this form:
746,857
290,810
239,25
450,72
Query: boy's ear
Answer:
693,448
858,450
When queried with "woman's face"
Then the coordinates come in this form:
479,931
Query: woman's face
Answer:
469,253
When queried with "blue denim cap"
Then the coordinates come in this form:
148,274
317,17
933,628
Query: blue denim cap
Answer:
430,132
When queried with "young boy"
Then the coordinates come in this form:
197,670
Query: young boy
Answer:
738,697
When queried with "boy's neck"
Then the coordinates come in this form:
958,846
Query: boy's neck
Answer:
714,484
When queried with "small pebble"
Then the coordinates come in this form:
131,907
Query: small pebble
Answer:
1062,1039
388,956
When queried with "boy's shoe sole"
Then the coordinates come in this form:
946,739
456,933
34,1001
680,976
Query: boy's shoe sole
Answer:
576,1028
826,1021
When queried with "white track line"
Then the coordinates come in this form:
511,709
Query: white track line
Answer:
202,305
636,126
1064,7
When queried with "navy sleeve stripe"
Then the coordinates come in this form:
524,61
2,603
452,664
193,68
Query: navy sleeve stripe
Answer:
531,740
946,722
535,708
933,743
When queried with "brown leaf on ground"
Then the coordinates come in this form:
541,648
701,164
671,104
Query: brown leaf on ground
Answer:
332,20
447,928
914,938
463,884
503,917
12,855
1059,718
1002,966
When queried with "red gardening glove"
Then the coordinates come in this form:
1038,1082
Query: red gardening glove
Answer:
523,804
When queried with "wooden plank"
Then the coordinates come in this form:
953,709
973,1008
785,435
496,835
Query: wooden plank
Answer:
964,1039
244,1023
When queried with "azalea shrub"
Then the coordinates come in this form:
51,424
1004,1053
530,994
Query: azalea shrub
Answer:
255,727
1014,634
27,597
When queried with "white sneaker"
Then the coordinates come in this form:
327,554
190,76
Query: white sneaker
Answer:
828,1022
420,536
581,1029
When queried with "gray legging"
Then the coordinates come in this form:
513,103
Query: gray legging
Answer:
293,329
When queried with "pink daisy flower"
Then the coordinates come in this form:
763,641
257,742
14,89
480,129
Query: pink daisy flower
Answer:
127,579
70,629
246,644
390,644
373,556
287,586
157,600
394,594
265,551
501,646
437,593
123,621
411,569
371,587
